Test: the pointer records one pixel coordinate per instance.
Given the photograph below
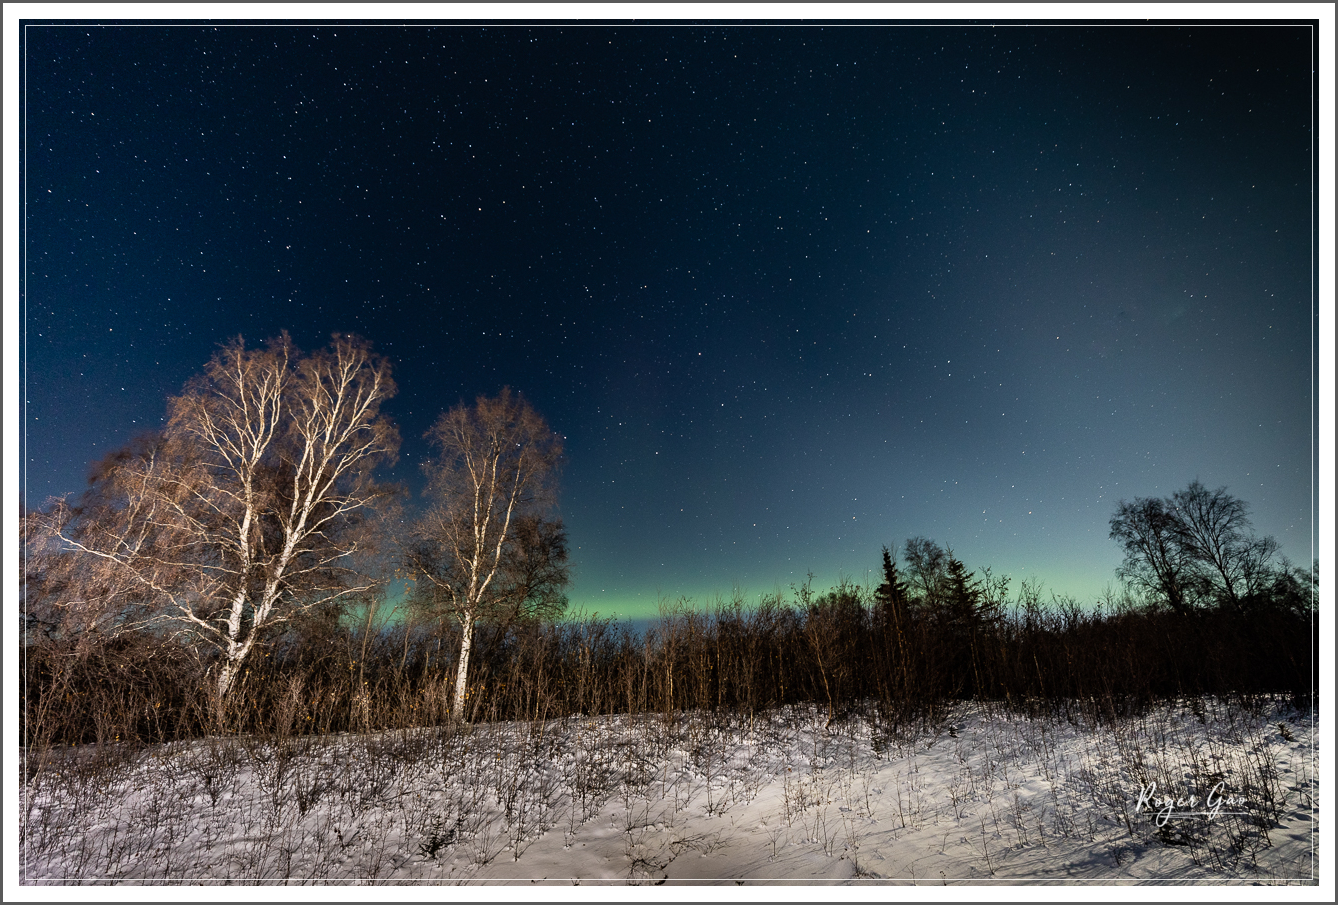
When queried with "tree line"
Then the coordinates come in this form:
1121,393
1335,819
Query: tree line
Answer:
205,579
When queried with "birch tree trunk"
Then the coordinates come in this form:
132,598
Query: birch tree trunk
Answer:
254,502
462,668
481,551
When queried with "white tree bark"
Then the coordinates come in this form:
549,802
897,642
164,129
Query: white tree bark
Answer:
462,667
498,457
240,518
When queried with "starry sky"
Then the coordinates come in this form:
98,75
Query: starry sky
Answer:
790,292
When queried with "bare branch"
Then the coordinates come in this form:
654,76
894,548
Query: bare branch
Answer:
482,551
247,508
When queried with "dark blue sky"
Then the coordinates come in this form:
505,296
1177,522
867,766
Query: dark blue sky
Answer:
790,293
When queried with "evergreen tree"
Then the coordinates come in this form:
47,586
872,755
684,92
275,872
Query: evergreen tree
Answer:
890,599
962,617
963,597
892,592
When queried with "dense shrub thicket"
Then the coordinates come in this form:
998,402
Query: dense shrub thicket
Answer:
903,654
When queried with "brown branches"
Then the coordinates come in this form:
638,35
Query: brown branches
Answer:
252,504
483,550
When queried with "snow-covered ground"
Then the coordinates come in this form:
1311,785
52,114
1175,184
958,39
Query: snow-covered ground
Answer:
979,796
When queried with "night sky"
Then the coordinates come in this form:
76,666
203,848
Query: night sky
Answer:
790,293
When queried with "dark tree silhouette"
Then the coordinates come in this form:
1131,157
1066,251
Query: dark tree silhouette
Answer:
1194,549
1212,528
1154,562
926,570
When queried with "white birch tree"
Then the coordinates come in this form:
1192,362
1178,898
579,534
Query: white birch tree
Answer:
494,478
254,502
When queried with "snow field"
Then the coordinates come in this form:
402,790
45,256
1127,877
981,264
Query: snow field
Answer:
977,795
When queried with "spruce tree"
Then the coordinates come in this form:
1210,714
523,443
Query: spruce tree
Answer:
964,619
963,594
890,599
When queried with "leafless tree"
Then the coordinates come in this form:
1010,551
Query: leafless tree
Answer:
253,504
1194,548
926,570
1213,530
65,598
1153,563
484,550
